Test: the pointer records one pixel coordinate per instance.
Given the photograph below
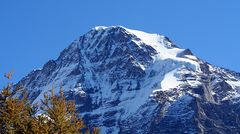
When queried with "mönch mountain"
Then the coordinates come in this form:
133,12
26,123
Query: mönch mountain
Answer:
131,82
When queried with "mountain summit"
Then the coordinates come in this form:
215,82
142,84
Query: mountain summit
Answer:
128,81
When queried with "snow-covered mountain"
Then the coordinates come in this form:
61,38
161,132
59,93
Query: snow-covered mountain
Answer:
128,81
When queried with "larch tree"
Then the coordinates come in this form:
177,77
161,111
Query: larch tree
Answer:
15,113
18,116
61,115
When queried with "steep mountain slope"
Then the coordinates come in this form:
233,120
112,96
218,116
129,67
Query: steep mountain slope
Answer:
128,81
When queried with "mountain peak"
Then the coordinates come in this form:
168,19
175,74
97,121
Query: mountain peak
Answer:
160,43
148,38
108,27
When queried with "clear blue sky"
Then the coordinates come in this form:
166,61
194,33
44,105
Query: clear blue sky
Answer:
32,32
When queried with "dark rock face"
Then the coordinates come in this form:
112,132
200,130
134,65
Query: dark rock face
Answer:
127,81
